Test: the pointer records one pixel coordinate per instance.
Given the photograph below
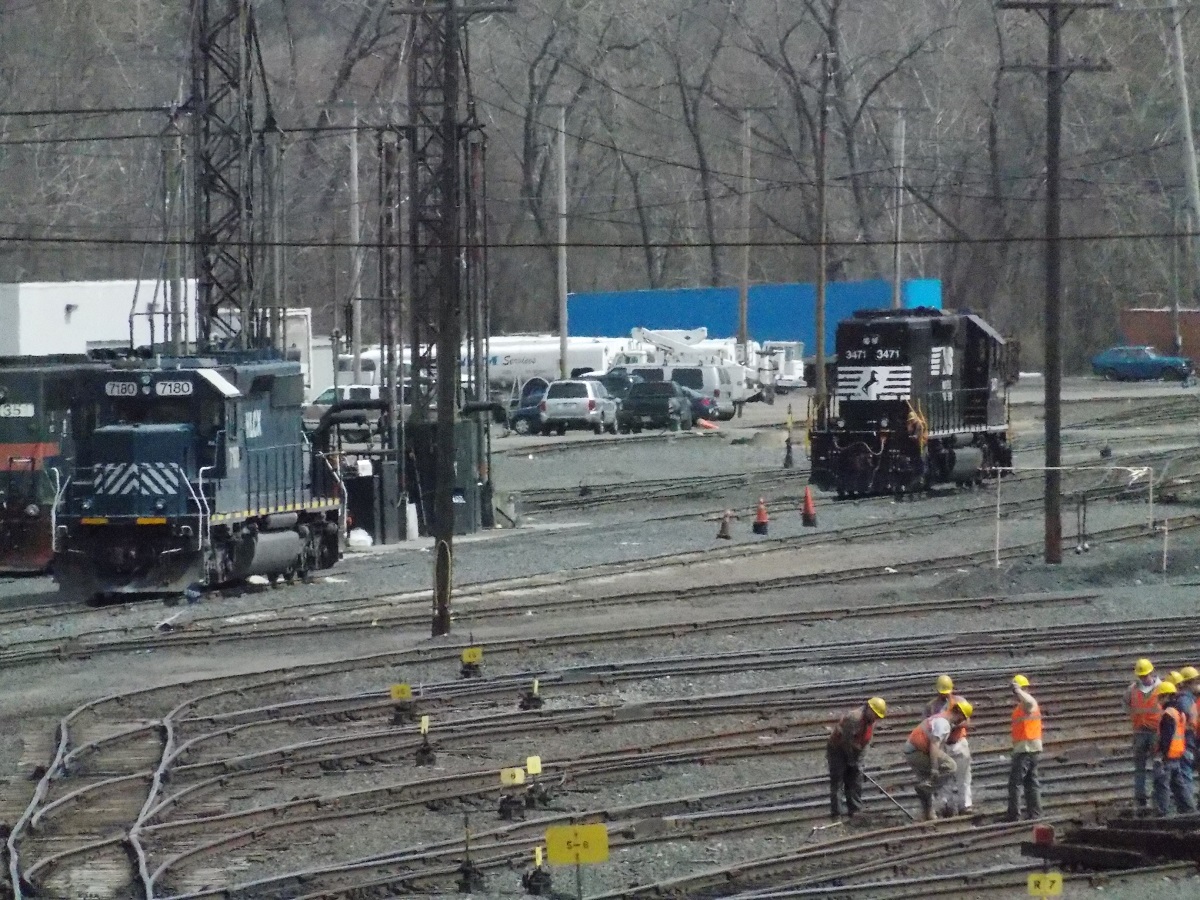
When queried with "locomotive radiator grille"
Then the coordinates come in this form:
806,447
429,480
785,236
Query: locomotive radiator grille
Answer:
156,479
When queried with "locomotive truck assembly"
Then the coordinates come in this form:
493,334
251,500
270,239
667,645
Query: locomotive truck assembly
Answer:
192,471
920,398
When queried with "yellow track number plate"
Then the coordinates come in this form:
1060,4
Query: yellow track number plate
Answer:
424,724
515,775
472,655
573,845
533,765
1045,884
401,692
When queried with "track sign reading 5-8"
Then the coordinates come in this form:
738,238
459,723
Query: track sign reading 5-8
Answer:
573,845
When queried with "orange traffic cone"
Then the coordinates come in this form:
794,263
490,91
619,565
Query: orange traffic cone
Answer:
809,513
723,532
760,517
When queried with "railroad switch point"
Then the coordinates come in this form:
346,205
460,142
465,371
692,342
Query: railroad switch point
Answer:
537,882
470,670
511,807
470,879
530,700
425,755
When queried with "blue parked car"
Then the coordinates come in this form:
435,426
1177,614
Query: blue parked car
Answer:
526,418
1141,364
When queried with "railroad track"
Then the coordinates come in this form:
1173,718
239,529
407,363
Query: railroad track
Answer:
103,855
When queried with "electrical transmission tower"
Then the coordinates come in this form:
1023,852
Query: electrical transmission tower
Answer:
234,175
442,185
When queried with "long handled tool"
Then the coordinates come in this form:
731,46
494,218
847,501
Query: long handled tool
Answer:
867,776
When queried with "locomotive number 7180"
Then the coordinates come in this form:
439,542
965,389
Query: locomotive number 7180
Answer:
173,388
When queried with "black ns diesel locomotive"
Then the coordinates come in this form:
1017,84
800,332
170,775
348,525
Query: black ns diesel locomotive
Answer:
192,471
920,398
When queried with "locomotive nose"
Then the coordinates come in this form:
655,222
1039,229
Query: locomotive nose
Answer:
142,470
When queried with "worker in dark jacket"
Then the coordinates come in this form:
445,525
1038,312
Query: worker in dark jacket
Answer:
1168,754
1187,685
849,741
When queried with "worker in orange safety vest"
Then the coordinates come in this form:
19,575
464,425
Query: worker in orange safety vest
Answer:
926,753
1026,751
1144,712
1169,749
954,798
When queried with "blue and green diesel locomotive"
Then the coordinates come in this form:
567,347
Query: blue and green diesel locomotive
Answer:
193,471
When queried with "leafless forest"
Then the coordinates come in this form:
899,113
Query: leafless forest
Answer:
654,94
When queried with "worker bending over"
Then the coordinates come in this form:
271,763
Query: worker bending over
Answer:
1144,712
1026,751
844,752
955,796
926,752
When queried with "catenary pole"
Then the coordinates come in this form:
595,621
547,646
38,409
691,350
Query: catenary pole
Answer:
562,243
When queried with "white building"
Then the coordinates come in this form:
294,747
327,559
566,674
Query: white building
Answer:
42,317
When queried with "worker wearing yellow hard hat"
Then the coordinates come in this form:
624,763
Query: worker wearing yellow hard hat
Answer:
844,751
1141,703
1191,711
1026,751
955,796
926,754
1170,748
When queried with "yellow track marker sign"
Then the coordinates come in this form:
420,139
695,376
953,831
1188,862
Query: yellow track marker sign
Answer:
533,765
1045,884
424,724
537,857
472,656
513,776
574,845
401,692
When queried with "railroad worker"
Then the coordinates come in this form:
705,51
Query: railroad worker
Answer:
1026,751
1187,702
844,752
1169,748
926,753
955,796
1144,713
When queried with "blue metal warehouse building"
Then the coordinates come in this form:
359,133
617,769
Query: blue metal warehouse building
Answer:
777,312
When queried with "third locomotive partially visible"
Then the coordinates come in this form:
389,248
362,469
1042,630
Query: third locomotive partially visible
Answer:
921,398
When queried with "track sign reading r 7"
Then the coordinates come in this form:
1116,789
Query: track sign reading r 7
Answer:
573,845
1045,884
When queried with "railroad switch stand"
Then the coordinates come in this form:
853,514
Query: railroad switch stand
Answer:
537,881
531,700
788,461
470,670
425,755
511,807
538,794
470,878
403,713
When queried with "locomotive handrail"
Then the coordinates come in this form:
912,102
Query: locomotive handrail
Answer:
60,488
205,524
201,506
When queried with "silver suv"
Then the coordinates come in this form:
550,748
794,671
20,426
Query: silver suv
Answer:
578,404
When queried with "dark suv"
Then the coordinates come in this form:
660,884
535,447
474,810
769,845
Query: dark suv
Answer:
655,404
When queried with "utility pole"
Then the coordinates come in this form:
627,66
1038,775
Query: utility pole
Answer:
744,282
562,243
1179,64
1057,13
897,287
1176,281
356,264
827,58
